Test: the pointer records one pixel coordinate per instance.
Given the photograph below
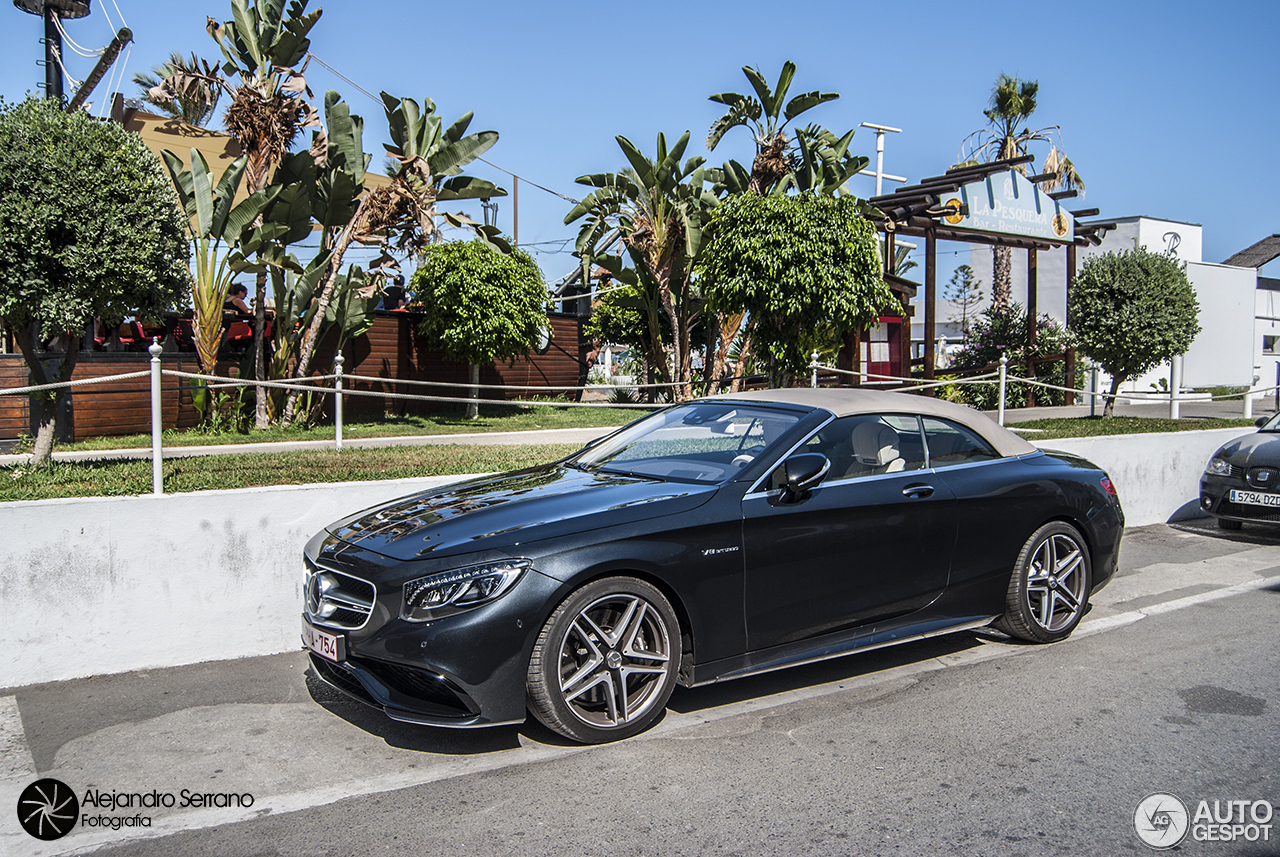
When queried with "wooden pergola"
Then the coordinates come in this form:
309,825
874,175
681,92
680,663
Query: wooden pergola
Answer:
957,206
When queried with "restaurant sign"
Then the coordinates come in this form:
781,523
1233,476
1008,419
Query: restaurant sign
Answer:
1007,203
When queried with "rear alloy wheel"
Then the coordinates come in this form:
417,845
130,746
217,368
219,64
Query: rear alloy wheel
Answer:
605,662
1049,589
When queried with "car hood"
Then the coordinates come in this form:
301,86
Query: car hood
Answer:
503,511
1253,450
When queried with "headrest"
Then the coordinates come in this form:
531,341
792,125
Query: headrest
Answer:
874,444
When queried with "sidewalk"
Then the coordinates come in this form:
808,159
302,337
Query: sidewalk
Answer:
504,438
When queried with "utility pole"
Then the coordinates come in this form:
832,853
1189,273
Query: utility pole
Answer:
880,173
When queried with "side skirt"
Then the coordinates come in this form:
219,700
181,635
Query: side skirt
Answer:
812,651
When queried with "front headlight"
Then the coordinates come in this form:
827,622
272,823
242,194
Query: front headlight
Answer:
1218,467
461,589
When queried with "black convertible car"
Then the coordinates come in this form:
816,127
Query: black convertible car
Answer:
710,540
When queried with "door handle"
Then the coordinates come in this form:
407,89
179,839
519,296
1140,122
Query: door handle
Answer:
918,490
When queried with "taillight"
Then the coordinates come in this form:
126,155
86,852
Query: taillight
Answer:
1107,486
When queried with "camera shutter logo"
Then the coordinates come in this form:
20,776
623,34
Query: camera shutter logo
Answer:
47,809
1161,820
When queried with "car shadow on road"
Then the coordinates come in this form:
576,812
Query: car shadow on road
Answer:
410,736
844,668
1263,535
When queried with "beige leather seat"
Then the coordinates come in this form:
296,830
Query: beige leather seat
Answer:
875,448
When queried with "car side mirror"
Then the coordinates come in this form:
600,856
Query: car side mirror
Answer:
800,473
1261,421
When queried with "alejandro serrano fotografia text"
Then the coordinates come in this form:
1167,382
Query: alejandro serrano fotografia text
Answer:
184,799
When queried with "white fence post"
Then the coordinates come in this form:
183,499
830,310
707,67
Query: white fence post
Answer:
157,419
1175,385
1094,384
337,401
813,365
1004,368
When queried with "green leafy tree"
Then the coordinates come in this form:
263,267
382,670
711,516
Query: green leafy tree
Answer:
480,305
1006,136
1131,312
995,333
88,229
804,267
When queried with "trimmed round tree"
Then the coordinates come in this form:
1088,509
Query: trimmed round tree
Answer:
480,305
89,228
805,267
1130,312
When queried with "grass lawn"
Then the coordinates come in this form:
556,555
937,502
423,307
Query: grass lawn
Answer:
1051,429
249,470
493,418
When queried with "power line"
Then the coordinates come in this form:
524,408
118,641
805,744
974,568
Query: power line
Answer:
378,100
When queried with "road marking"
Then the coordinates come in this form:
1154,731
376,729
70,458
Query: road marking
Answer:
83,841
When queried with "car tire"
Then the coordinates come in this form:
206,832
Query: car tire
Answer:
1049,588
605,662
1227,524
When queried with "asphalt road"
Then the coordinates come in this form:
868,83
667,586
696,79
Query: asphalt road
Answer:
967,744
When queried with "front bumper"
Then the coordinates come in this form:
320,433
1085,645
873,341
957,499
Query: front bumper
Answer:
1215,500
464,670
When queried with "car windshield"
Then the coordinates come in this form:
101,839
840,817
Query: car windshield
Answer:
1272,424
701,442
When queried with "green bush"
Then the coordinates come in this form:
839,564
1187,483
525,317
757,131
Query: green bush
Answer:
997,333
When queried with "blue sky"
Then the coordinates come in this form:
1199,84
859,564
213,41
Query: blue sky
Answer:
1168,109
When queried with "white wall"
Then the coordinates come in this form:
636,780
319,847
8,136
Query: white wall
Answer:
108,585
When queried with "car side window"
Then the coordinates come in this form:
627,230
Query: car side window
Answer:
869,444
951,444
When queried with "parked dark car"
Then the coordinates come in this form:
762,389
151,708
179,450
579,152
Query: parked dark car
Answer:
1242,480
708,541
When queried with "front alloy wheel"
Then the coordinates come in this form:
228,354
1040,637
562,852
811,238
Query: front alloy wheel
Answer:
1049,588
605,663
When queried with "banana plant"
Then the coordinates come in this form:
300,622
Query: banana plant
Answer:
428,162
212,223
659,208
767,113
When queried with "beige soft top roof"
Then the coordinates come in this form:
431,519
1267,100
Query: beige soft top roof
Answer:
845,402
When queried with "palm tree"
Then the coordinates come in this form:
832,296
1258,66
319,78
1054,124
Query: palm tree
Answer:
194,105
1006,136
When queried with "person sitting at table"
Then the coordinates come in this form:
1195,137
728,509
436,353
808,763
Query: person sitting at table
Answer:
235,300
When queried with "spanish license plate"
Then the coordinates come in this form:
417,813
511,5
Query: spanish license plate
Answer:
324,644
1255,498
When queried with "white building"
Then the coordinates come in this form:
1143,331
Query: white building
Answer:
1223,354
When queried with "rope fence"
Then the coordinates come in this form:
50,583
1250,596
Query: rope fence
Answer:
317,383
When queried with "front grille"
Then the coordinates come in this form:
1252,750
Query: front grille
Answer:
1262,477
1248,510
338,600
419,684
